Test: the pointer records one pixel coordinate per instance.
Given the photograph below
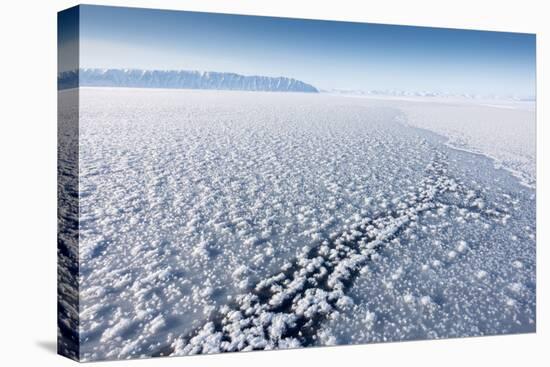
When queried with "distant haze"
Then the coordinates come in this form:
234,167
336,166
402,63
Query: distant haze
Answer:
326,54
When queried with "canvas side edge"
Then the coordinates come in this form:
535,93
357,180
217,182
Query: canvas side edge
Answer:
68,336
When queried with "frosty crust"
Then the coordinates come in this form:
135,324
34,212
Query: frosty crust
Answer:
288,309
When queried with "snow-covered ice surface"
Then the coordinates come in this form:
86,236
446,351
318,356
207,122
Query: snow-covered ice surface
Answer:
502,130
68,225
216,221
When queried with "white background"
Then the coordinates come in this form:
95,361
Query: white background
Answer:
28,181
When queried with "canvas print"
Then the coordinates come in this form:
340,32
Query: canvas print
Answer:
232,183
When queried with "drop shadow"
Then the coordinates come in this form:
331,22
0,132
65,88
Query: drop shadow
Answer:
48,345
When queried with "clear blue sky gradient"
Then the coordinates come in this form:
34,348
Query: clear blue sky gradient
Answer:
327,54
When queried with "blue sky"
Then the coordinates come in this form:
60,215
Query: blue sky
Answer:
327,54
